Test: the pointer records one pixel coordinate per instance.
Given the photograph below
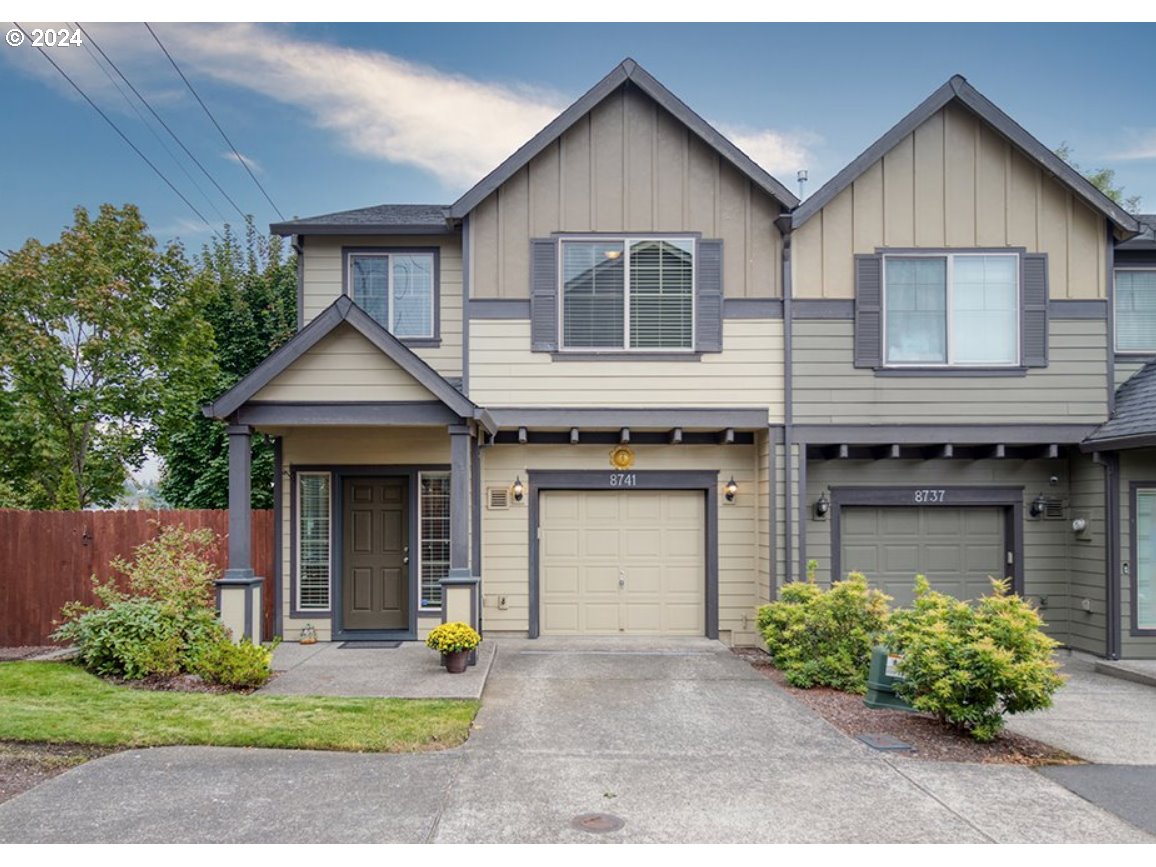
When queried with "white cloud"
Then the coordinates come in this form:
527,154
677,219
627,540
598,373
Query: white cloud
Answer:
780,153
1141,145
243,160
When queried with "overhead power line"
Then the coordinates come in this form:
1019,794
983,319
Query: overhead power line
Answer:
167,128
119,132
232,147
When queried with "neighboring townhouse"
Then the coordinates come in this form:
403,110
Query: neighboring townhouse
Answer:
627,384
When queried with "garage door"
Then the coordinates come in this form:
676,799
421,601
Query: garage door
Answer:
617,562
956,548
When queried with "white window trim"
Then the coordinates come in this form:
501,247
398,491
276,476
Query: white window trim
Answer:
424,609
1142,353
297,554
390,307
626,348
1017,355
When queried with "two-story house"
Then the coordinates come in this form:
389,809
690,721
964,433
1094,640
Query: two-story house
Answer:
628,384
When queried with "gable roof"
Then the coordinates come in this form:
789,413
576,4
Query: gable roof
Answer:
379,219
958,90
1146,240
1133,423
626,71
341,310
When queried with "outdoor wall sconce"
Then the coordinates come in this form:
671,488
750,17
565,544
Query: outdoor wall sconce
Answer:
519,491
1038,507
822,507
730,490
1079,525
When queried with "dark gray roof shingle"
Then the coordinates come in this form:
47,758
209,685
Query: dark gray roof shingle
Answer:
378,217
1146,240
1134,421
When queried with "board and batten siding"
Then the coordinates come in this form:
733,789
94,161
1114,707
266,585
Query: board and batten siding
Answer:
828,389
1087,629
747,373
626,166
505,532
343,366
323,273
1046,543
350,446
954,182
1135,466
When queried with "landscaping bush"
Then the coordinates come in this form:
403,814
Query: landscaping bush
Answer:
970,664
239,666
820,637
163,624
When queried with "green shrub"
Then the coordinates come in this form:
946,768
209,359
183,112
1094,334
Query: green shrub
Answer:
166,620
970,664
823,637
240,666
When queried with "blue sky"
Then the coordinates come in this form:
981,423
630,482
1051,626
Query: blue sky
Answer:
337,116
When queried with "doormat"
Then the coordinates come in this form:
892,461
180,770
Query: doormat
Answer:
369,645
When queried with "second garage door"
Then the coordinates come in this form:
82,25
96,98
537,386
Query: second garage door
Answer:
956,548
622,562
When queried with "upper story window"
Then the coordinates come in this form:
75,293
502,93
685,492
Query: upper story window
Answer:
398,289
953,309
1136,310
627,294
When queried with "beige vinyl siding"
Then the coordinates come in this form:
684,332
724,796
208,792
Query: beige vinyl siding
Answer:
1046,543
627,166
1125,368
343,366
350,446
504,372
323,282
505,533
1135,466
954,182
829,390
1087,630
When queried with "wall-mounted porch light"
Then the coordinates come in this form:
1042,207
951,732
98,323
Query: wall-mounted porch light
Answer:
732,488
822,507
1038,507
519,491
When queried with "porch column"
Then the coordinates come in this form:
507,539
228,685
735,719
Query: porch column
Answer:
460,599
239,602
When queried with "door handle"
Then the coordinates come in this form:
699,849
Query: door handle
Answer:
405,560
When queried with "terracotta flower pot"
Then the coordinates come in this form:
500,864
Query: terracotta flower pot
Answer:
457,661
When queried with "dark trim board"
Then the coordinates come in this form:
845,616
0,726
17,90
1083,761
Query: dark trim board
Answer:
752,308
519,308
614,437
1133,571
951,496
337,475
590,417
499,308
931,434
645,480
400,413
278,535
1066,308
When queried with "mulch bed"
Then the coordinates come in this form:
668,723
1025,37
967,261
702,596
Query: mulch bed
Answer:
931,740
23,766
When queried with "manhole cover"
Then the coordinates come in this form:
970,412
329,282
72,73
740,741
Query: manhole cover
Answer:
597,823
885,742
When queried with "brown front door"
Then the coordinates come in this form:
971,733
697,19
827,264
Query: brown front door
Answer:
375,574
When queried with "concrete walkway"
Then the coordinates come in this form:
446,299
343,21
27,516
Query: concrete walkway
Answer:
682,741
410,670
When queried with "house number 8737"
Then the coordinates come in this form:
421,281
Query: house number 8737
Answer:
930,495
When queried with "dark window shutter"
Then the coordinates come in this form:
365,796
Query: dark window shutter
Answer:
709,297
869,311
1035,300
543,295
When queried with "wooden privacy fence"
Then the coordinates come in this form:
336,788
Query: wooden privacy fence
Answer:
47,558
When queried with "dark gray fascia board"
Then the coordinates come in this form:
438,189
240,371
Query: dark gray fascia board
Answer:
662,419
957,88
933,434
628,70
486,420
341,310
1111,444
284,229
418,413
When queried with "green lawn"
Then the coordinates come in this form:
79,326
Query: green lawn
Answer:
60,703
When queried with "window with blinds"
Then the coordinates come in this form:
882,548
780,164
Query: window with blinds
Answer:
627,294
434,537
396,289
1136,310
313,555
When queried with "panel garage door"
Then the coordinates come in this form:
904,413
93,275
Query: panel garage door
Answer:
956,548
622,562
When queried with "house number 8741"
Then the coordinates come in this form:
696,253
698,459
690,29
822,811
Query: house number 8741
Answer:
623,480
930,495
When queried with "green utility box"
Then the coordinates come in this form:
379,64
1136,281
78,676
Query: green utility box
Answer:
881,678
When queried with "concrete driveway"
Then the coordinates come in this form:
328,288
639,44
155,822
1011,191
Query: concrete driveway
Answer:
681,740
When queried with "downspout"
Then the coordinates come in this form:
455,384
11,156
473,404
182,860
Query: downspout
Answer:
788,401
1110,461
